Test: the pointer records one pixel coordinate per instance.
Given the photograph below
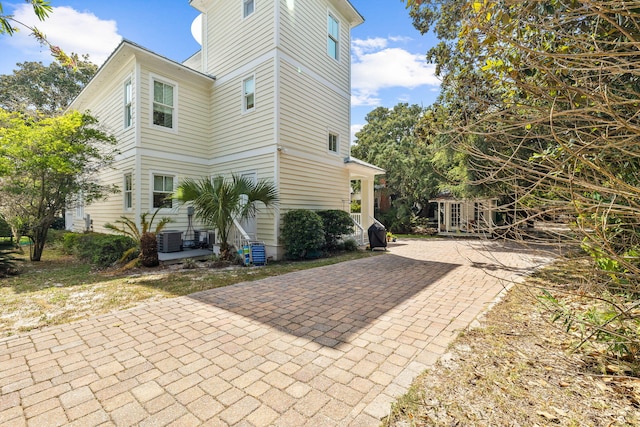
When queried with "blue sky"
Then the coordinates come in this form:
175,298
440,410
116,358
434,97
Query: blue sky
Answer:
388,64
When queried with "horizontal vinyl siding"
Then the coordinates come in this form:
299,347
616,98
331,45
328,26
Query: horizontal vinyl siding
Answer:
303,36
108,107
309,184
111,209
194,62
234,130
308,111
233,41
263,166
191,133
180,171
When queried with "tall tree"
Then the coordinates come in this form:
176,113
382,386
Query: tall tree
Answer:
44,165
34,88
389,140
219,201
543,97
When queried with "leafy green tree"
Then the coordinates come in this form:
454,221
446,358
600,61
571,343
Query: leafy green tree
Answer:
37,89
219,201
389,140
542,98
42,9
47,164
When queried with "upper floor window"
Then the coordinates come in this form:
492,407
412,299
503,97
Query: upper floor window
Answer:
163,106
333,142
127,104
128,191
333,36
249,93
248,6
162,190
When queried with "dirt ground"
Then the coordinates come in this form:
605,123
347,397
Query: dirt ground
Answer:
518,369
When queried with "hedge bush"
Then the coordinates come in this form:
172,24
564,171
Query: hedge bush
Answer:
302,233
101,250
336,223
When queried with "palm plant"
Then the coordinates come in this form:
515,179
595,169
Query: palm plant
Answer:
144,239
217,202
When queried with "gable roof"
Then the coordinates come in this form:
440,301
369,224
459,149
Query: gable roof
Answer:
122,54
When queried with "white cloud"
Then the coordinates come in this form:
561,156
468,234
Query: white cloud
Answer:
376,66
355,129
73,31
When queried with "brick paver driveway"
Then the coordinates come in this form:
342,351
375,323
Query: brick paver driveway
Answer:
328,346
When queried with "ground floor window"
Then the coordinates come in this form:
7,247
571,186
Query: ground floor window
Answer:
162,190
455,215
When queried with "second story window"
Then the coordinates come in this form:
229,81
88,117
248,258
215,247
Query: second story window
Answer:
333,36
248,6
249,93
162,190
127,104
333,142
163,107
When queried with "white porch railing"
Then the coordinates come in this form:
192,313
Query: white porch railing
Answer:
237,235
359,233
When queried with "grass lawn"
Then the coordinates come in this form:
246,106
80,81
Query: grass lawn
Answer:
59,289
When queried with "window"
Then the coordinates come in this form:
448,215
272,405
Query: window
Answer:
162,189
455,215
79,214
333,36
248,7
128,191
249,93
127,104
162,104
333,142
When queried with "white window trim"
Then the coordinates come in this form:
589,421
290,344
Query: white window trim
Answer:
334,16
244,104
155,77
79,208
244,2
152,174
125,191
337,134
128,106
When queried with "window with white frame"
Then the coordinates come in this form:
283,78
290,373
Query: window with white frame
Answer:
333,36
248,6
333,142
249,93
163,104
455,215
127,104
128,191
79,214
162,190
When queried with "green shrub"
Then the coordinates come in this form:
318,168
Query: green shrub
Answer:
7,262
335,223
69,243
5,230
55,238
350,245
101,250
302,233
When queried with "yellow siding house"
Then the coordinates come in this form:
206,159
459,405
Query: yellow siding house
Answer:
267,96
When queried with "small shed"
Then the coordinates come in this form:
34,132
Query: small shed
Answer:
465,216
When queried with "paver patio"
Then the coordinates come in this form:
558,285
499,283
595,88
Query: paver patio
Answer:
332,346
